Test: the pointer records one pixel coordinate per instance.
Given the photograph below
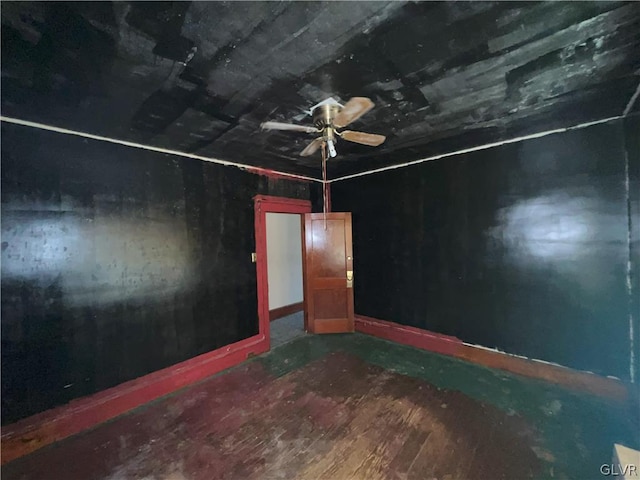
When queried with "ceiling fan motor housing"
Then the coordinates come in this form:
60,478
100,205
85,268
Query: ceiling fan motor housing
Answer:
323,115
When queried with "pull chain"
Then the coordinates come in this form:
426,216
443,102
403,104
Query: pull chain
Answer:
324,183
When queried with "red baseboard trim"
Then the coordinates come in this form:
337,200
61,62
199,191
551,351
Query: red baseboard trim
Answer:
32,433
280,312
573,379
412,336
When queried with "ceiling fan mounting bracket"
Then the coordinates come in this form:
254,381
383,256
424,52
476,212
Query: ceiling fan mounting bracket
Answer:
328,101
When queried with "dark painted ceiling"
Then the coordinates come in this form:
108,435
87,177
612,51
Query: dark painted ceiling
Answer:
200,77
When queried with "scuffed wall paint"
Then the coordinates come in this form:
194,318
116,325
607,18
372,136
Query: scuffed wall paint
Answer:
632,157
521,247
117,262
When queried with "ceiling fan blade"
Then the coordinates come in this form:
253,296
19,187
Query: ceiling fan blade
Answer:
370,139
312,147
352,110
287,126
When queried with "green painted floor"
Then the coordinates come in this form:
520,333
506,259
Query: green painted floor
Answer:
576,431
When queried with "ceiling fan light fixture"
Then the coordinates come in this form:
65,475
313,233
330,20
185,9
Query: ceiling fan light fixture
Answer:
332,149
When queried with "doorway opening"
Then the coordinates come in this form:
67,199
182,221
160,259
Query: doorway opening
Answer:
284,274
279,227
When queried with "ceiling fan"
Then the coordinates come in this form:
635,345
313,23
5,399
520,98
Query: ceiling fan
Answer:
328,117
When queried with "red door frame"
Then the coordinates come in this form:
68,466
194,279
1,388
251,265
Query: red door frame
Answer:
262,205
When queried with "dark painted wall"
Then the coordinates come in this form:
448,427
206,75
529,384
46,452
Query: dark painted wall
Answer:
523,247
117,262
632,140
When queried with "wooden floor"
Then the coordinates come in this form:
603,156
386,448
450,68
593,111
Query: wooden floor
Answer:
309,412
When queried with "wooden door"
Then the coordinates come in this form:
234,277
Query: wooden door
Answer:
328,273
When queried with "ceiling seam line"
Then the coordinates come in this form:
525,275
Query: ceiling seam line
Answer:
226,163
478,147
632,100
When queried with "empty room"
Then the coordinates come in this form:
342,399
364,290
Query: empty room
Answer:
320,240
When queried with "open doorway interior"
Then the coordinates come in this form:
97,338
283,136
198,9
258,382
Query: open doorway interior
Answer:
284,270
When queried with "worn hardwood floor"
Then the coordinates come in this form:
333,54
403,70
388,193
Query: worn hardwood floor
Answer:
321,409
